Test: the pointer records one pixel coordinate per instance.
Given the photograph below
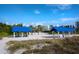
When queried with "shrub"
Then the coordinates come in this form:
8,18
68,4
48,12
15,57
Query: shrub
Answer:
66,46
3,34
15,45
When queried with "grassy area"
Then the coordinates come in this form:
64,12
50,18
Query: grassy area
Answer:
56,46
3,34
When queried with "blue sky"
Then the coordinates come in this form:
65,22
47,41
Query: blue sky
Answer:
39,13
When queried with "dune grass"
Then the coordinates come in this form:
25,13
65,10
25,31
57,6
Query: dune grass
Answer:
15,45
54,46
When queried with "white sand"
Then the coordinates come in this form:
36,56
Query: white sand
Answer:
3,48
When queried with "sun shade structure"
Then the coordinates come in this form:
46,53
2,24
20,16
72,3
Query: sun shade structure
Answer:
21,29
63,29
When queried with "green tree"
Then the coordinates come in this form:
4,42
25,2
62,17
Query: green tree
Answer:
5,29
39,28
33,28
77,27
18,25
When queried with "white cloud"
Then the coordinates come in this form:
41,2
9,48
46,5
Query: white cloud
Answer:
61,6
57,7
36,11
64,6
68,19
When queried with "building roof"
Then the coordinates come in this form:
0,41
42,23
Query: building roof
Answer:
21,29
63,29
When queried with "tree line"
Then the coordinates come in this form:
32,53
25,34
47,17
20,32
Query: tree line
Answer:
5,29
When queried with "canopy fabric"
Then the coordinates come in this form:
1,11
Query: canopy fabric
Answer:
21,29
63,29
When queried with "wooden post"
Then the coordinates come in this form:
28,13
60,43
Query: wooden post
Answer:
22,34
27,33
14,34
58,34
63,34
69,34
52,32
31,33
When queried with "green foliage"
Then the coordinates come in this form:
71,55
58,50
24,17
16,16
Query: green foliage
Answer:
77,30
39,28
3,34
77,27
5,29
18,25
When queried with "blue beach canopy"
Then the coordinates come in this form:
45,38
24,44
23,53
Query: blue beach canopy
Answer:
63,29
21,29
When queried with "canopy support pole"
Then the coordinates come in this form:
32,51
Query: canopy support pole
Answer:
63,34
58,34
69,34
14,34
22,34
